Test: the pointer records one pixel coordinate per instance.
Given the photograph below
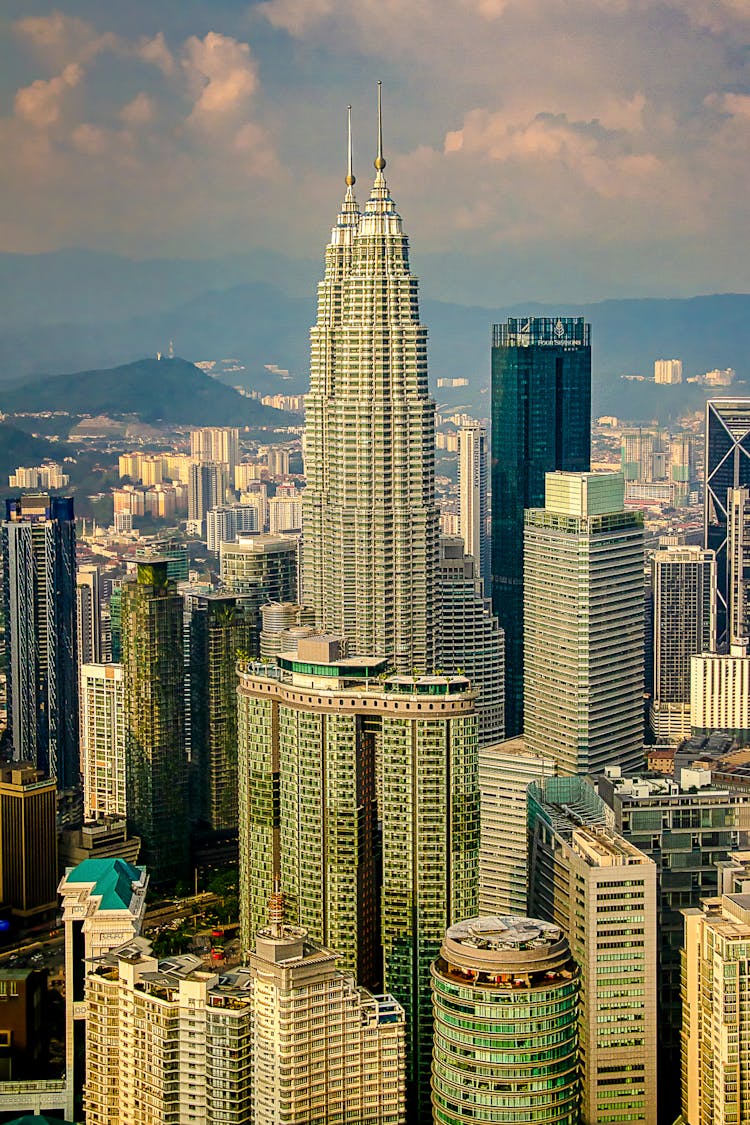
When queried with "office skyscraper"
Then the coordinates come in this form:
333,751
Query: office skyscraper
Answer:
39,562
156,764
583,620
738,565
88,615
219,628
103,740
207,487
601,891
541,421
727,465
684,624
686,825
28,843
370,521
259,569
470,640
473,466
505,772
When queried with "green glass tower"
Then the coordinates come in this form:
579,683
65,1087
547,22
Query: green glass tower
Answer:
329,746
155,759
541,421
219,628
505,994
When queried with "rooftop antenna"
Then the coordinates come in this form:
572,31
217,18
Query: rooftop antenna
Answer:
380,159
276,909
351,179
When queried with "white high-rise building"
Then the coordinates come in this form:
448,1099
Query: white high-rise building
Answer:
583,624
88,621
716,1012
103,740
505,773
290,1040
216,443
720,692
472,483
166,1041
284,513
323,1049
370,520
207,489
224,524
668,371
738,565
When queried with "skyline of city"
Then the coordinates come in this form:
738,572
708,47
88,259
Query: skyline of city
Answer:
291,685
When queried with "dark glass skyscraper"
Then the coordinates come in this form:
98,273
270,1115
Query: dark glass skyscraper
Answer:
541,421
727,466
155,759
39,561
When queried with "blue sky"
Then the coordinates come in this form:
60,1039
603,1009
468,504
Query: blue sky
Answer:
538,149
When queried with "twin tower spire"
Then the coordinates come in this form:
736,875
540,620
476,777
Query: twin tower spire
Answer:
379,161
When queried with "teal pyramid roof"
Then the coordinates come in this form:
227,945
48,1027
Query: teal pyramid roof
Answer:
37,1119
112,879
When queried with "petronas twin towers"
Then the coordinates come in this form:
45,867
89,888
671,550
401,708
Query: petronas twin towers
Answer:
370,551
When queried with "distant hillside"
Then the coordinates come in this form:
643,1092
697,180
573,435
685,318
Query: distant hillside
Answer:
72,310
170,390
18,448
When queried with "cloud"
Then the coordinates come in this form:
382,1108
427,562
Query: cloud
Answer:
40,104
140,111
60,37
156,52
221,74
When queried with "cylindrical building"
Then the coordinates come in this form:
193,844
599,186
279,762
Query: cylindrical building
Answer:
505,998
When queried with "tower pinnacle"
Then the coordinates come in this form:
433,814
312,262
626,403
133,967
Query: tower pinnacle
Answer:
351,179
380,159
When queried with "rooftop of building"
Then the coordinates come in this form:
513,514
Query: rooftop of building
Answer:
261,543
162,979
569,802
687,783
504,933
727,915
112,879
358,672
602,847
505,953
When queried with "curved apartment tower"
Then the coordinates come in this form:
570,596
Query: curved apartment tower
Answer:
505,1001
370,522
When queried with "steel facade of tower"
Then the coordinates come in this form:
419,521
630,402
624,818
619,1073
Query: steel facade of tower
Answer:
541,421
370,522
727,465
39,563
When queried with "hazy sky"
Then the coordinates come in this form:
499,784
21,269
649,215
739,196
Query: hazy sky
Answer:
544,149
